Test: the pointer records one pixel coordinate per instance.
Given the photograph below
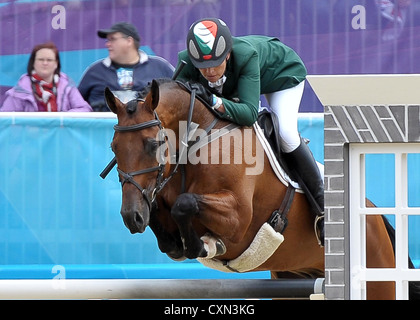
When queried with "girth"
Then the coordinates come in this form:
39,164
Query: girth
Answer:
278,219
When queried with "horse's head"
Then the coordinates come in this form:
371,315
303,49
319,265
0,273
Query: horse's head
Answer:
135,147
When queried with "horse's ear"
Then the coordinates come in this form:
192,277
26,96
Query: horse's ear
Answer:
111,100
153,96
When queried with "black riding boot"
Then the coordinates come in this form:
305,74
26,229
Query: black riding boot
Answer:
305,171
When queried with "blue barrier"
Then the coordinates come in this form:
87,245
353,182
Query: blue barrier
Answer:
179,270
54,207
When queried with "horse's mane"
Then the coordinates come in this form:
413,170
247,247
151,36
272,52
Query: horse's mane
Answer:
131,106
143,93
180,84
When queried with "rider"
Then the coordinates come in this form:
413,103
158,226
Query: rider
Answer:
236,70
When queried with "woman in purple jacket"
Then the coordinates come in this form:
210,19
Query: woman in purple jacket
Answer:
44,87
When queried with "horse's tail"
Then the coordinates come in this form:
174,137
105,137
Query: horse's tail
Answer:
413,286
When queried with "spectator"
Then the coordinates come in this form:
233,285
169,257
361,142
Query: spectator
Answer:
125,71
44,87
395,12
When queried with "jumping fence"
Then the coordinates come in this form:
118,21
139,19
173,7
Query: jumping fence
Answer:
372,150
400,210
160,289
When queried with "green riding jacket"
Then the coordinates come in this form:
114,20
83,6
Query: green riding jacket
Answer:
257,65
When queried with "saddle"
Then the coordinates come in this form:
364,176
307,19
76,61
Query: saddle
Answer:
269,123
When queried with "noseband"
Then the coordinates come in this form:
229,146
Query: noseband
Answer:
129,176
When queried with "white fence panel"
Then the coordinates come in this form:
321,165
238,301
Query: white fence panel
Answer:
359,274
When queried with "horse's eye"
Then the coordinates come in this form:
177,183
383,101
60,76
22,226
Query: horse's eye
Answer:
151,146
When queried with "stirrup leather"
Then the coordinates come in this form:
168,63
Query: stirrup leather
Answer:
317,231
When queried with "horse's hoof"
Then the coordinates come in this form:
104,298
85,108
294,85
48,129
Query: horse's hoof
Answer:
176,258
214,247
220,248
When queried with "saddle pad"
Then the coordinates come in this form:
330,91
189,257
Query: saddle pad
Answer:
278,170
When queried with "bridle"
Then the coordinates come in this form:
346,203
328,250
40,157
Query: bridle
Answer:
160,180
129,176
184,146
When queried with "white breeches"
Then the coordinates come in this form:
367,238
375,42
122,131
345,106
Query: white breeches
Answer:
285,105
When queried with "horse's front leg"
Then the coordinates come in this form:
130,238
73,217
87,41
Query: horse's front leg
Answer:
168,243
183,211
218,213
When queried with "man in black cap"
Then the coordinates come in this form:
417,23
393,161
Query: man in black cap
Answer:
125,71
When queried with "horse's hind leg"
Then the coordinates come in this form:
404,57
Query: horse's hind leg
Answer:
183,211
379,254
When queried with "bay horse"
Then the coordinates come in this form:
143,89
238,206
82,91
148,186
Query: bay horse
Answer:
210,210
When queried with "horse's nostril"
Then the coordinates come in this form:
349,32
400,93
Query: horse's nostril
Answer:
138,218
139,222
134,221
